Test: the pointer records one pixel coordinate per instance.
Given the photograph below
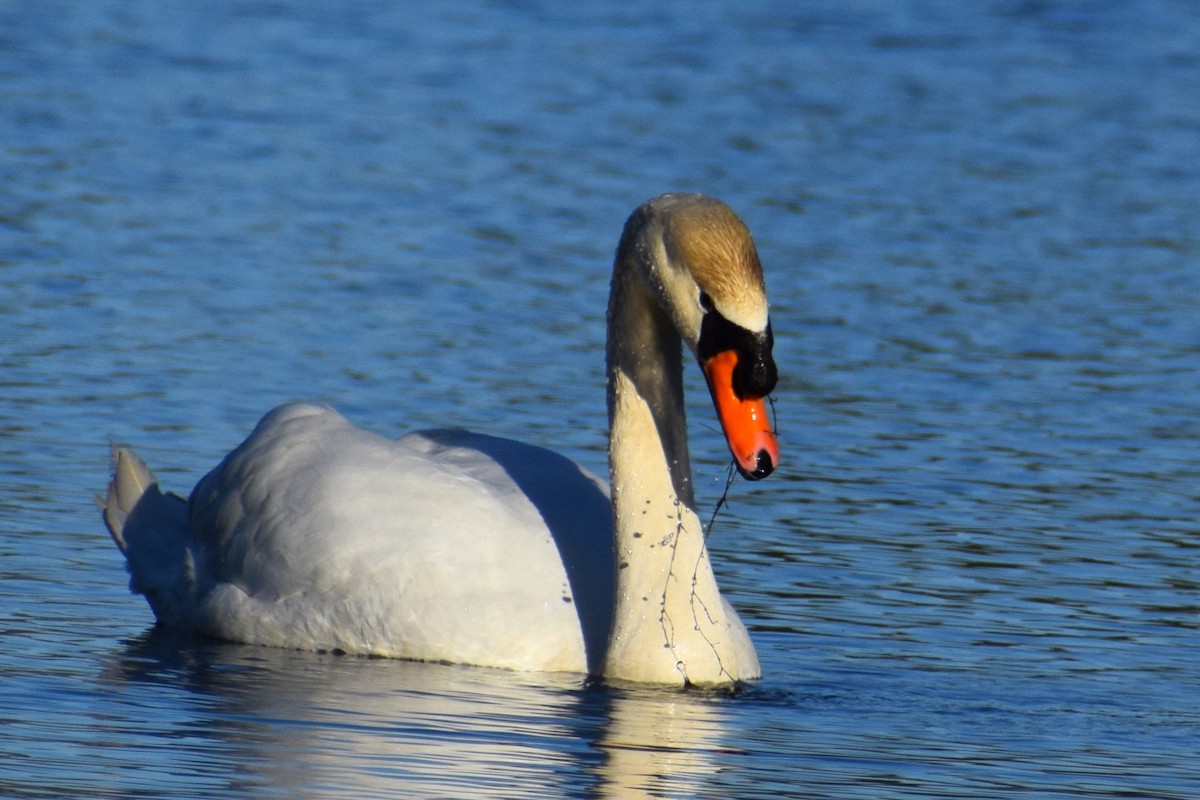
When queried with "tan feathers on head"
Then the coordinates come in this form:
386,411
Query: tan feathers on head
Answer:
713,241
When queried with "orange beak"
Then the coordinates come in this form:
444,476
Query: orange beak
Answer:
744,419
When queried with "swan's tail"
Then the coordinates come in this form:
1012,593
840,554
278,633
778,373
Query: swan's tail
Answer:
151,528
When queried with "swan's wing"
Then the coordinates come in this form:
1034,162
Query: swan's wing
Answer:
313,533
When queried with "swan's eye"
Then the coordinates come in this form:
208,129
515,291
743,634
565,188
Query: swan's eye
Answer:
706,302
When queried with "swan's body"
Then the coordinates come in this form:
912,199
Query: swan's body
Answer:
453,546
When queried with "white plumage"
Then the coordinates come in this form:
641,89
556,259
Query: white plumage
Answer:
454,546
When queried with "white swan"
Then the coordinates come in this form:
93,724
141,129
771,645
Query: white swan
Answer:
458,547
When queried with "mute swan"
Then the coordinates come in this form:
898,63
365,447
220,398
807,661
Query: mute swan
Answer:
458,547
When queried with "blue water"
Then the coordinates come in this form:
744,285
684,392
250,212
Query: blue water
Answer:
977,573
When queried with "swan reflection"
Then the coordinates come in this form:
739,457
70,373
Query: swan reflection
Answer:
319,725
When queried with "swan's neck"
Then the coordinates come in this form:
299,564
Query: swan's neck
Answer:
670,623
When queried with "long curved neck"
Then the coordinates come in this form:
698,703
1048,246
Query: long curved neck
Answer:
670,623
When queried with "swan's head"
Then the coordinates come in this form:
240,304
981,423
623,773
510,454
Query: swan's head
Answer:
710,280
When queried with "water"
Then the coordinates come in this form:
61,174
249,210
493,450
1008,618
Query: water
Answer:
976,573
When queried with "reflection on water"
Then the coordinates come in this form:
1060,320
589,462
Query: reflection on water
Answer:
277,721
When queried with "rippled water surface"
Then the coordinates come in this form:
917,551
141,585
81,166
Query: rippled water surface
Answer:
977,573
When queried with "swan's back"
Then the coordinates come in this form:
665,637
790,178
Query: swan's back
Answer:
442,545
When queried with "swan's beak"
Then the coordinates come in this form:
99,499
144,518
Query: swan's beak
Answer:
744,419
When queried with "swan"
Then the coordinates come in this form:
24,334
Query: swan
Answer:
453,546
